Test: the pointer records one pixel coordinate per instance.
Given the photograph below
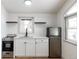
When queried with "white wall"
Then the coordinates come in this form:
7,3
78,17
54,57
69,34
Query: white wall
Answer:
4,15
51,20
69,51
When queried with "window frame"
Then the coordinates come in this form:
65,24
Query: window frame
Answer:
25,18
66,25
65,16
73,42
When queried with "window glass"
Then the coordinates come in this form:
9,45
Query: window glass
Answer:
71,23
26,25
71,34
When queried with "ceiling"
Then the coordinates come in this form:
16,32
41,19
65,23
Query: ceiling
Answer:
38,6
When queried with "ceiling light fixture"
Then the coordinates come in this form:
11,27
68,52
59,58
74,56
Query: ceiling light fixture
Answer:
28,2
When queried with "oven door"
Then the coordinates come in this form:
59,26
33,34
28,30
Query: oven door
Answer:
7,46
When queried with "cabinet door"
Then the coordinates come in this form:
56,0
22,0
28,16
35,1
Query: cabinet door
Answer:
19,47
55,47
30,48
42,47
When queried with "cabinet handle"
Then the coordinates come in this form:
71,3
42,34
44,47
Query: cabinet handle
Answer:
35,42
24,42
42,40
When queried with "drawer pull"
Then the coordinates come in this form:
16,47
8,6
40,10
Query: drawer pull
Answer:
24,42
42,40
7,53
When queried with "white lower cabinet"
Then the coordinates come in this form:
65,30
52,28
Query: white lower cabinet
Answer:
24,47
31,47
42,48
19,47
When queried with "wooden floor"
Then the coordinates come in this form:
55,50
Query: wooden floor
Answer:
31,58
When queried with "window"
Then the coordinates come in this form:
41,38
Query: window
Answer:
26,24
71,23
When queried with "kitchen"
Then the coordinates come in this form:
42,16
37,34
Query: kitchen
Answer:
31,31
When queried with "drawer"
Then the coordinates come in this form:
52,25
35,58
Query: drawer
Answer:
41,40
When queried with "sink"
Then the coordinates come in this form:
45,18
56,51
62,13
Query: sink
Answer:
23,37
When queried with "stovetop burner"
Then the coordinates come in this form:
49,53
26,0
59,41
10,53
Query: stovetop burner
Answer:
8,39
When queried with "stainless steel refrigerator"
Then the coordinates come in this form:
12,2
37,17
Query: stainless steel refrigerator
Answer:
54,34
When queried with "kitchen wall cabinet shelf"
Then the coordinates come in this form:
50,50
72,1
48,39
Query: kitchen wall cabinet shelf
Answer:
11,22
40,22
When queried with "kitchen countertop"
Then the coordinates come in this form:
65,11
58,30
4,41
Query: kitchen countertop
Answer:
24,37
